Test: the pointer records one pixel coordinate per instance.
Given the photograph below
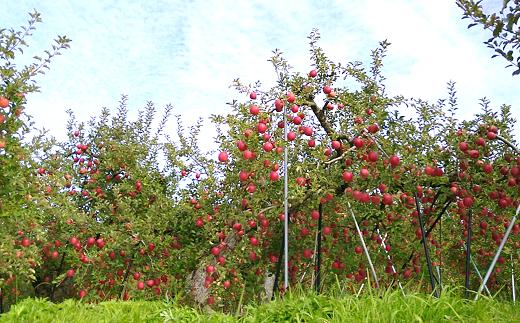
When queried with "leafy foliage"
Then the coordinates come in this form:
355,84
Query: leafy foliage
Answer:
503,25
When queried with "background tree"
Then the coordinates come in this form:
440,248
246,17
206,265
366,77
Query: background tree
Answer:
19,190
503,25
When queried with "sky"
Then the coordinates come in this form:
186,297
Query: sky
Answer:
188,52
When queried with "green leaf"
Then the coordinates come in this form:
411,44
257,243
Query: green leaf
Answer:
498,28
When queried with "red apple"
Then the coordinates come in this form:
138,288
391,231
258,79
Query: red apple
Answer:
223,157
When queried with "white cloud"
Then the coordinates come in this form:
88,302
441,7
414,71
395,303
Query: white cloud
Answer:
187,53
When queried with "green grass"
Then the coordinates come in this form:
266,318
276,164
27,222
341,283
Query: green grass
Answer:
296,307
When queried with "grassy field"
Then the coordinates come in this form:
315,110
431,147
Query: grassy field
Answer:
390,307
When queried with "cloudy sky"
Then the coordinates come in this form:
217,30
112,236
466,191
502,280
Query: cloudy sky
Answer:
187,52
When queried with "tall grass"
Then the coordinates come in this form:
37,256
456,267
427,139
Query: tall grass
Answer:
298,306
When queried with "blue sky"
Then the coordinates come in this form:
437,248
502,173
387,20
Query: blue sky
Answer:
188,52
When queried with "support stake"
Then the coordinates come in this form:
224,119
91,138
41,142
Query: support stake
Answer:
513,280
394,271
425,245
364,246
286,204
497,255
468,256
317,282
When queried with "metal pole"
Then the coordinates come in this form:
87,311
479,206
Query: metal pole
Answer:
286,203
513,280
317,282
426,249
468,255
477,271
364,246
495,259
394,271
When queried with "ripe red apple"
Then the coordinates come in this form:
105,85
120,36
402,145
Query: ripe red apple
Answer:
4,102
313,73
70,273
252,95
463,146
311,143
26,242
73,240
364,173
467,201
394,161
307,131
261,127
248,133
223,157
307,253
358,250
473,153
347,176
358,142
290,97
372,156
291,136
278,104
243,175
274,176
248,155
254,109
387,199
327,89
267,146
91,241
226,284
480,142
336,144
241,145
373,128
491,135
